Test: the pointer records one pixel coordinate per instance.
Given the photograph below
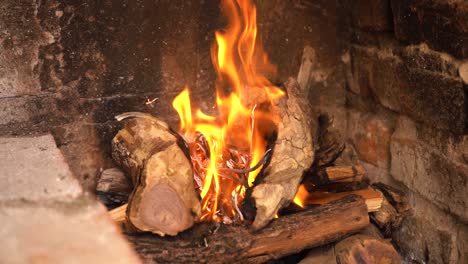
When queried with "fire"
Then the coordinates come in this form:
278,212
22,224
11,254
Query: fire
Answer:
301,196
224,147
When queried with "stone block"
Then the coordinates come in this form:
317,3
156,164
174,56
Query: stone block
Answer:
440,24
421,57
33,169
370,14
376,73
427,171
71,233
419,241
370,135
433,97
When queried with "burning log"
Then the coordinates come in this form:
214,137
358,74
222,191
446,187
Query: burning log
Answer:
164,200
286,235
293,154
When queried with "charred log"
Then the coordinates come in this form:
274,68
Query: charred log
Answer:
293,154
286,235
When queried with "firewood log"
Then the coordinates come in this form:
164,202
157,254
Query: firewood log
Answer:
164,200
113,187
362,249
373,198
293,153
237,244
394,208
366,247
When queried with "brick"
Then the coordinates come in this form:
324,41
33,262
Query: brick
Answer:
420,241
78,232
33,169
370,14
427,171
441,24
370,135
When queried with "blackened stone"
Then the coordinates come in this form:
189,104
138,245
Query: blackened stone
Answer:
443,25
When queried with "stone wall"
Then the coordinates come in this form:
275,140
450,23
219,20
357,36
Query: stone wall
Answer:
406,104
70,66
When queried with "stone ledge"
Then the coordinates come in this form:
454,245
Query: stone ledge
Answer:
76,232
33,169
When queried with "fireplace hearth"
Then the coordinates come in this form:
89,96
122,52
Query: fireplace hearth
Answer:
387,78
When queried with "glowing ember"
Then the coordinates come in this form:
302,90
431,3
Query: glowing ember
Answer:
223,148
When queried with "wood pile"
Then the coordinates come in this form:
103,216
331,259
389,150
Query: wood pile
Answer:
157,194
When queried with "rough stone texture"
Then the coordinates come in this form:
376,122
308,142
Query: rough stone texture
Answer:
427,171
46,218
19,48
33,169
422,242
370,14
371,134
425,94
82,62
77,232
442,24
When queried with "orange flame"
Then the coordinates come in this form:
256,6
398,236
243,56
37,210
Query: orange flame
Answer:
301,196
235,139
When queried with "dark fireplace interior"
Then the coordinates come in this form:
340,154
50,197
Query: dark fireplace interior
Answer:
392,73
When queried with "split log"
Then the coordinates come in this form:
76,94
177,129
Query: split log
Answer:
113,187
293,153
284,236
396,197
338,174
334,164
391,214
164,200
372,198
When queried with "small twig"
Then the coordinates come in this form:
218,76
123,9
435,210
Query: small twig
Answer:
236,207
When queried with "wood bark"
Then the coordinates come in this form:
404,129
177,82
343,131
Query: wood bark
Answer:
286,235
293,153
113,187
357,249
164,200
394,208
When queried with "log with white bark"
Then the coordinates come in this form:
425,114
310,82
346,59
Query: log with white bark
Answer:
164,200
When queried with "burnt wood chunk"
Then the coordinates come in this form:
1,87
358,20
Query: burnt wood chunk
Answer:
293,154
164,200
286,235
